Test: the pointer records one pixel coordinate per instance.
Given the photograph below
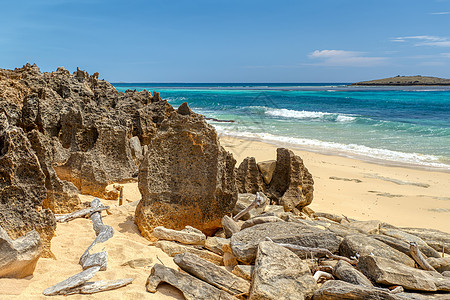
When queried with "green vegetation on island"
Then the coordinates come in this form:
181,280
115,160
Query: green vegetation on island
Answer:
407,80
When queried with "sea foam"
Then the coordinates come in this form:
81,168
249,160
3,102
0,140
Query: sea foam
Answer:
307,115
348,150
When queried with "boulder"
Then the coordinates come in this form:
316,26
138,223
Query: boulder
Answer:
249,179
18,257
337,289
191,287
346,272
186,177
215,244
211,273
260,220
389,272
408,237
280,274
440,264
188,235
244,243
267,168
230,226
172,249
364,245
244,200
436,239
368,227
244,271
291,185
22,190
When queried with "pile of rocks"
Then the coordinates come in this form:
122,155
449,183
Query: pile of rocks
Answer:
273,254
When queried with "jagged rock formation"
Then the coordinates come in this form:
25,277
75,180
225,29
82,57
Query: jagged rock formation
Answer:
186,177
290,184
22,188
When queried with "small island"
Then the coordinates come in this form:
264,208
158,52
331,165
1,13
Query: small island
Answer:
405,80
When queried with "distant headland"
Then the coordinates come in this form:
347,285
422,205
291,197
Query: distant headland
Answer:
406,80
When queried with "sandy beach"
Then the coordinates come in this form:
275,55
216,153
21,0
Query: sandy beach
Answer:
365,191
356,189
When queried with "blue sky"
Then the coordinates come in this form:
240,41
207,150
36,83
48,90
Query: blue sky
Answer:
229,40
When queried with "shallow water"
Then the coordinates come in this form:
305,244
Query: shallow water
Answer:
405,125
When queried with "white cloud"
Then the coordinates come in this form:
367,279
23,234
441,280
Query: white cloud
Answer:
446,55
345,58
424,40
440,13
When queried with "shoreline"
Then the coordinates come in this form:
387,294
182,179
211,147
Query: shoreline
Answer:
404,197
344,154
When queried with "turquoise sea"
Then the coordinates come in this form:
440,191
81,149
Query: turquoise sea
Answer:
392,125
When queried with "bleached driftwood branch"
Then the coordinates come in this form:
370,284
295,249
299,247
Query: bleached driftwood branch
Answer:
418,257
320,251
256,203
79,213
320,274
91,263
104,233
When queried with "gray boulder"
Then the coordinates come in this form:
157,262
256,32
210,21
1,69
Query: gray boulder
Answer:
18,258
365,245
337,290
244,243
389,272
346,272
280,274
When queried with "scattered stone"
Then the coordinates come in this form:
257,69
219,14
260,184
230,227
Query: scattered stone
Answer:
18,258
215,244
230,226
346,272
191,287
211,273
275,210
267,168
99,286
185,236
244,200
244,271
172,249
280,274
337,289
389,272
229,260
407,237
397,244
185,178
436,239
332,217
441,264
245,243
364,245
368,227
260,220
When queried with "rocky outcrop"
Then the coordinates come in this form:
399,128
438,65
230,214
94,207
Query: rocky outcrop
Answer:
186,177
18,257
22,189
290,183
244,243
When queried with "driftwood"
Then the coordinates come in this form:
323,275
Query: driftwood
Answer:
91,263
79,213
99,286
419,258
320,274
104,233
256,203
74,281
120,188
320,251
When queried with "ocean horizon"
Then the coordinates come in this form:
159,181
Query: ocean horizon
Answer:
394,125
